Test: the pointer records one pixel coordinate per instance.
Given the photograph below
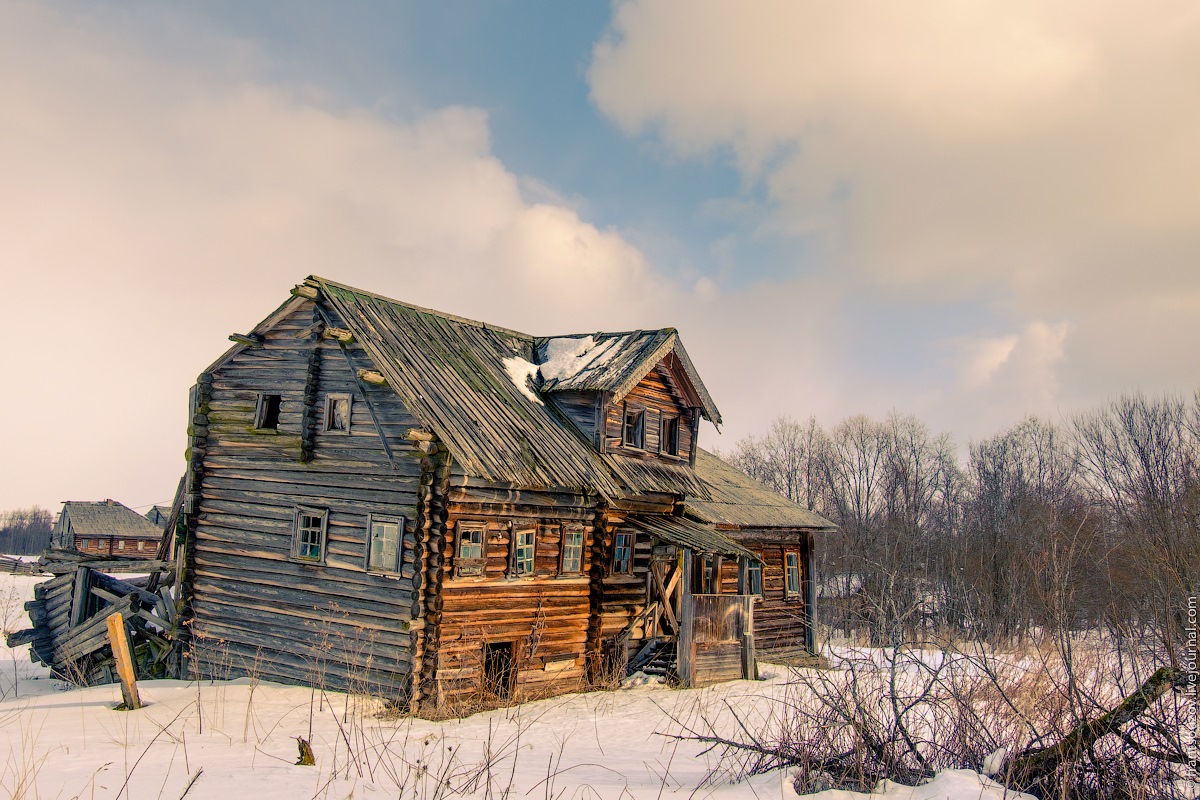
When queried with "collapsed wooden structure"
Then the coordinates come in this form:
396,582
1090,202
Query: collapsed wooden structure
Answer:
70,612
390,499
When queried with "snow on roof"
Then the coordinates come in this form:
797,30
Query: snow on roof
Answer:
567,356
523,374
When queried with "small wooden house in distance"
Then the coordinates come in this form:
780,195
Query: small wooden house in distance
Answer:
397,500
105,528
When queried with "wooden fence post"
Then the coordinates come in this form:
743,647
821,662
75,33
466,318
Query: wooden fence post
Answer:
124,658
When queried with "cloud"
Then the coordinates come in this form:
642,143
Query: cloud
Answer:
153,206
1035,159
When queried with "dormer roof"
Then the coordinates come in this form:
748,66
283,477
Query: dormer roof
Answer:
617,362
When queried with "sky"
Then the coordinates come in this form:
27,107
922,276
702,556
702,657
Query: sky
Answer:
966,211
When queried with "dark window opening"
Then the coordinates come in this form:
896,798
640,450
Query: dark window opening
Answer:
498,672
623,553
266,417
635,429
670,436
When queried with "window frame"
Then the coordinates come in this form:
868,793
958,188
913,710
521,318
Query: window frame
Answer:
262,409
788,592
515,547
327,418
669,445
616,566
638,431
564,531
384,519
754,569
470,567
323,535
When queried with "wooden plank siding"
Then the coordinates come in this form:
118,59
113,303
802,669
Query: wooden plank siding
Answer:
780,621
544,616
255,609
653,394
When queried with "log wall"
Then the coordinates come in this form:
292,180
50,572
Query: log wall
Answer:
659,400
543,616
256,609
780,622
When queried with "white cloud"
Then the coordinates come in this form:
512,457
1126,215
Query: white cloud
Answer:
1034,158
152,208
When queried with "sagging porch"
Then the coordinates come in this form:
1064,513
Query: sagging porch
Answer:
688,630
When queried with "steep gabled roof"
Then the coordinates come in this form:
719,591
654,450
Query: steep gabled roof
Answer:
451,373
617,362
736,500
108,518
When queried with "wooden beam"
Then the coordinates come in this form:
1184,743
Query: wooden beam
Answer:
119,641
371,376
248,339
343,335
303,290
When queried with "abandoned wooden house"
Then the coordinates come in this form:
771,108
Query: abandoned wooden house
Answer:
105,527
389,499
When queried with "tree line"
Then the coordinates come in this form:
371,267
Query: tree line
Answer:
1093,522
25,531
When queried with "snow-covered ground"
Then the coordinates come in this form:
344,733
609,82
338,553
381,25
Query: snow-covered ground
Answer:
237,739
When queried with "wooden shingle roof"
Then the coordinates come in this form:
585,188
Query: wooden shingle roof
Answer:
617,362
736,500
108,518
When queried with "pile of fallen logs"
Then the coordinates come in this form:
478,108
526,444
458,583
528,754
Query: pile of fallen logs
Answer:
70,613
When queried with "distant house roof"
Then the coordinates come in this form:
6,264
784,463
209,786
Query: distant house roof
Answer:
107,518
736,500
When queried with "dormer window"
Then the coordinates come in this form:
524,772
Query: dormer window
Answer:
266,416
635,428
670,436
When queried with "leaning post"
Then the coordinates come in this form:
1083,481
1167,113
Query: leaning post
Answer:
124,658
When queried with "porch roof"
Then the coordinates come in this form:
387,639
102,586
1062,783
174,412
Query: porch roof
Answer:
689,533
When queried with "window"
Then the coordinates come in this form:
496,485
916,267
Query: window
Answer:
266,416
523,546
670,436
623,553
337,413
308,538
572,549
470,560
121,544
635,428
754,578
384,538
141,545
791,570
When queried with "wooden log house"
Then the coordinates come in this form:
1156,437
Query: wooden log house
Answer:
395,500
105,528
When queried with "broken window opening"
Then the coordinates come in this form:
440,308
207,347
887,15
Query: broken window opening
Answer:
266,416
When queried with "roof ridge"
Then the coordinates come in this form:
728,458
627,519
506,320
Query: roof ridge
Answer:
322,282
